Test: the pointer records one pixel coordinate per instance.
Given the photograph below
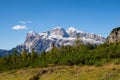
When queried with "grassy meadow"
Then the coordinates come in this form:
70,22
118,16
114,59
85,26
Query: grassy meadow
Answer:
107,72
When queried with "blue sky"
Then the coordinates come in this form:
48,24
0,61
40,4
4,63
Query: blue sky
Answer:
17,17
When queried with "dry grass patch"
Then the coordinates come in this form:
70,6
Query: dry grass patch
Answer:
106,72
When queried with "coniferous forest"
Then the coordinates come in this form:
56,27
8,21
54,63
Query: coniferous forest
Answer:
79,54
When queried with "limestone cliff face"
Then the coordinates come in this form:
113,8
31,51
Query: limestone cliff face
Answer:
114,35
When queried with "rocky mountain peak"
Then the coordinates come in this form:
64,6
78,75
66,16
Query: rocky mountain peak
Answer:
33,33
114,35
73,30
30,36
59,32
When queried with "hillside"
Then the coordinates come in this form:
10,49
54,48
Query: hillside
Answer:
106,72
98,62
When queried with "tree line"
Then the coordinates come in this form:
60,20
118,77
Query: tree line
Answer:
79,54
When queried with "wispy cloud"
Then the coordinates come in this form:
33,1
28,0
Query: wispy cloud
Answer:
19,27
25,22
22,22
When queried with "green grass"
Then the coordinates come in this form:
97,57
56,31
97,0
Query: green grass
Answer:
106,72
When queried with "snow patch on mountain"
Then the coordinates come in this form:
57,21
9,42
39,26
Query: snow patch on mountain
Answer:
72,30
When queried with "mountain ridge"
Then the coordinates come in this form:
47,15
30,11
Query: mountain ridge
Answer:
59,36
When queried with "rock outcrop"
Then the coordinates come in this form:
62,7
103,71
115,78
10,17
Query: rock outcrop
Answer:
114,35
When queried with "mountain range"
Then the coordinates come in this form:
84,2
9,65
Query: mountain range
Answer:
58,36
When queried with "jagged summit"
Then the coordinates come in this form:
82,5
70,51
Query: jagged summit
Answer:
31,35
72,29
58,27
59,32
31,32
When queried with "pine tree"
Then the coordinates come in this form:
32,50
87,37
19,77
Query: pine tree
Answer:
29,57
14,56
33,55
9,59
24,55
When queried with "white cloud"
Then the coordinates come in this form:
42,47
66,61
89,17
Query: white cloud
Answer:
19,27
25,22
